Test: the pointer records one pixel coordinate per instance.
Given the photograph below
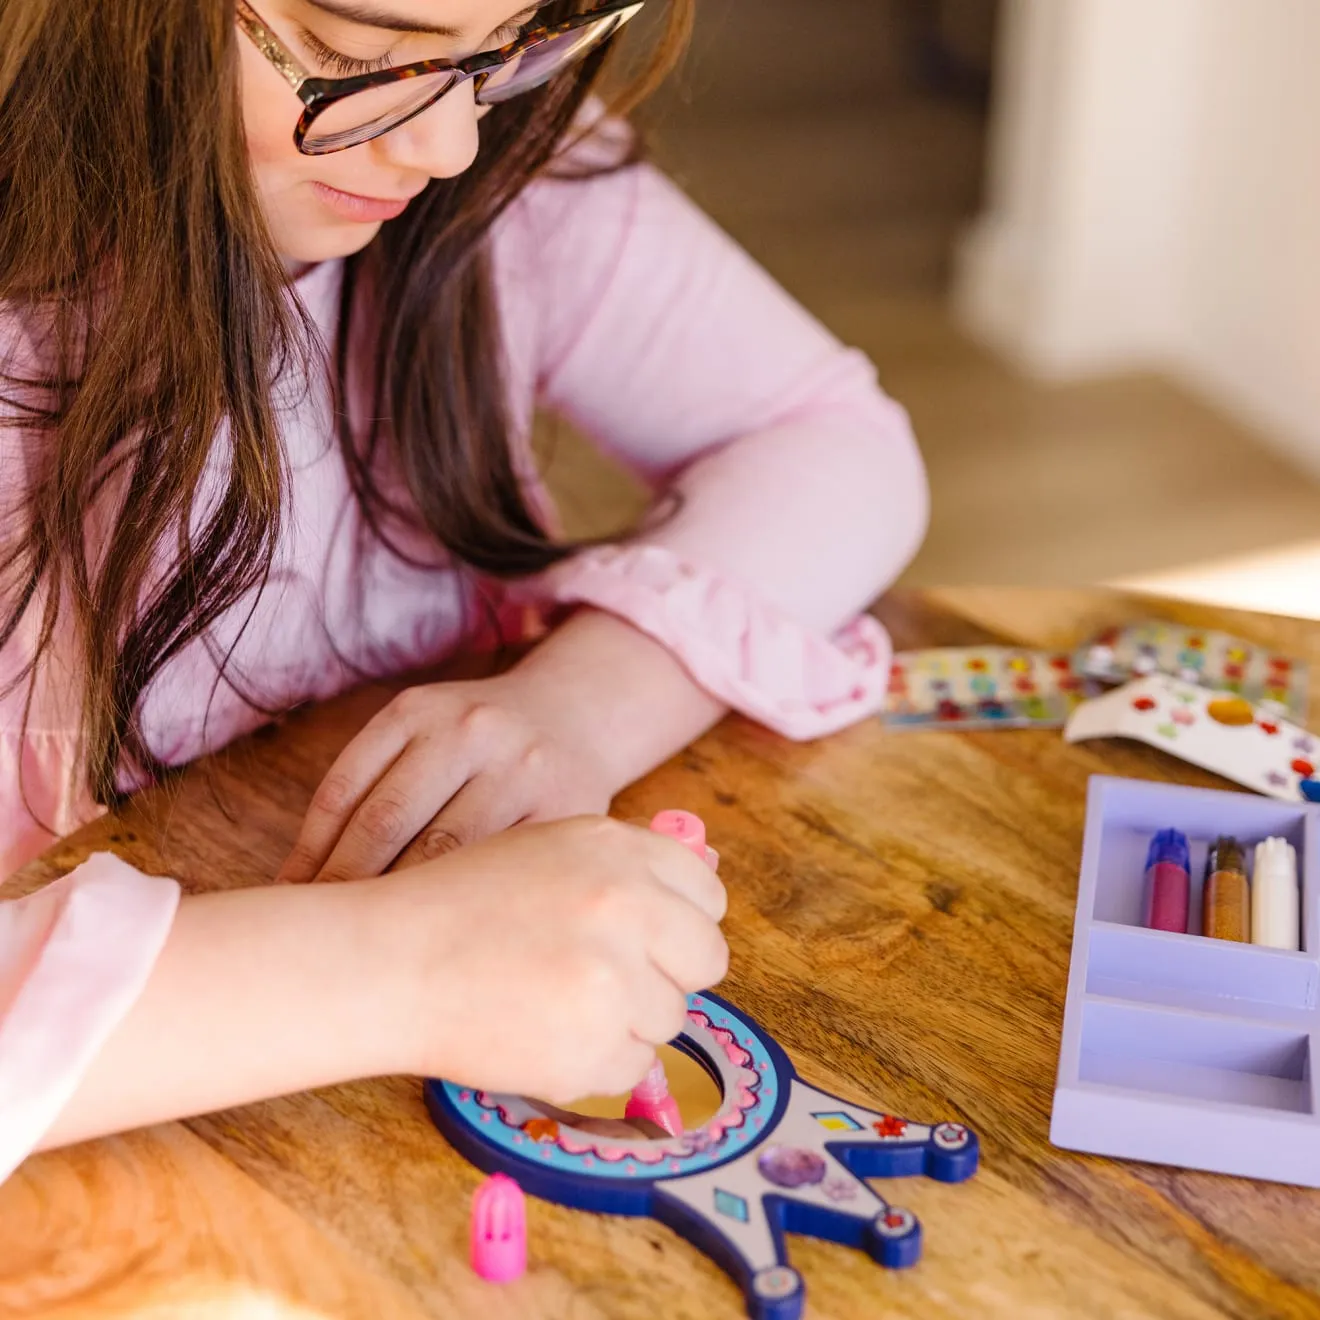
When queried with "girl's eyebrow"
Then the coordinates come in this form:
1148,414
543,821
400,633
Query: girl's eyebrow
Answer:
379,18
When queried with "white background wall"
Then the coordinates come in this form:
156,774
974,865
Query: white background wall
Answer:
1154,200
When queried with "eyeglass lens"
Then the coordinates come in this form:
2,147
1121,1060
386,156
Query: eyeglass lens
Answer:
369,113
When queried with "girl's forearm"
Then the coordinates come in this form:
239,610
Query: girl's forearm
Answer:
257,993
635,698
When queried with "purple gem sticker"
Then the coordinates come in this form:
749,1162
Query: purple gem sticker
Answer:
789,1166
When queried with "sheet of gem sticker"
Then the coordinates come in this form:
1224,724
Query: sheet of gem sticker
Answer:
1212,659
1220,733
984,687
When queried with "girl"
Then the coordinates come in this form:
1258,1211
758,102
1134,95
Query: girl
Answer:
280,286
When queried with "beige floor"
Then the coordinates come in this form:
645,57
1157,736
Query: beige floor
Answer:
851,189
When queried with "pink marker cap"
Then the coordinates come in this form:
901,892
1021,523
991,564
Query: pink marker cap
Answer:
499,1230
683,826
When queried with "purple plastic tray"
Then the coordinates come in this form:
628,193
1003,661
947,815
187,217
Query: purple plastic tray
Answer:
1179,1049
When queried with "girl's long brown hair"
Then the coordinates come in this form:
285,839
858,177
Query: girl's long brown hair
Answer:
132,245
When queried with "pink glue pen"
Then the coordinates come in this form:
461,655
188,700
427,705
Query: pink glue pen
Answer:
1167,882
651,1099
499,1230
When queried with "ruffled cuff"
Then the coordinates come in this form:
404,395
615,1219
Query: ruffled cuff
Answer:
74,957
753,657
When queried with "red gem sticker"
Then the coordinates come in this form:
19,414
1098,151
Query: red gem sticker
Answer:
1281,663
1024,685
1268,728
889,1126
893,1220
1303,768
1061,663
1234,671
949,710
1144,704
977,666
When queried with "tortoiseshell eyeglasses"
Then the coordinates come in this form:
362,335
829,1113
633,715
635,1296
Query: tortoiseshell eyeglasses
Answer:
345,112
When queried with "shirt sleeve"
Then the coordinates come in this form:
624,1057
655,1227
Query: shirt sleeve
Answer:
74,957
42,797
802,494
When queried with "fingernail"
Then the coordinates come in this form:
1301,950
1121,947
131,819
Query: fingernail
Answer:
436,843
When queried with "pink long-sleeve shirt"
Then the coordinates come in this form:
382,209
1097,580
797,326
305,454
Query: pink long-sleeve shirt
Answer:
624,309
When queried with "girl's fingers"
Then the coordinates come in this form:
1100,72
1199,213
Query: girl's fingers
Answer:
482,807
356,771
399,807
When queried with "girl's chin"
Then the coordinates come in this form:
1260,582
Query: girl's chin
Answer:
307,240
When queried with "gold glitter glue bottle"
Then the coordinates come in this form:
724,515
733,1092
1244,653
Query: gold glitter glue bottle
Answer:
1226,900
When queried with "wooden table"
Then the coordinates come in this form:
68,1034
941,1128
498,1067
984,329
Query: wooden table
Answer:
902,906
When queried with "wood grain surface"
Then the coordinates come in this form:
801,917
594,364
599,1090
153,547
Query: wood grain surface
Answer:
901,915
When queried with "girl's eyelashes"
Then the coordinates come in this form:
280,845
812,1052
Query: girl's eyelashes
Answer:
513,29
341,63
351,67
504,35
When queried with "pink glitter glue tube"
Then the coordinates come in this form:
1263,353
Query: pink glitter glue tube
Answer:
499,1230
1167,882
651,1099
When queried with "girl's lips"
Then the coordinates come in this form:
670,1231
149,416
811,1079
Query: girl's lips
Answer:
351,206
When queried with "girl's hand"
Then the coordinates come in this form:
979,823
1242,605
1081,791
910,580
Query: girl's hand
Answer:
594,707
554,959
444,765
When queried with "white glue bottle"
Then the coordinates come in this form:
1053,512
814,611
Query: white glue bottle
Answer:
1275,905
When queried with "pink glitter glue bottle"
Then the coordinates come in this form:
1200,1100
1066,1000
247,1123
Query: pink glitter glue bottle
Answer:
651,1099
499,1230
1167,882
